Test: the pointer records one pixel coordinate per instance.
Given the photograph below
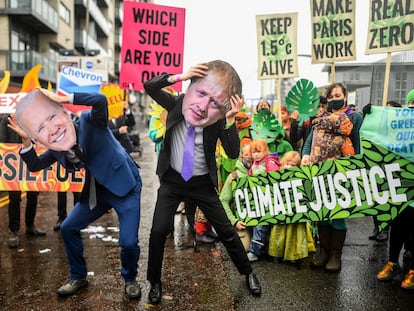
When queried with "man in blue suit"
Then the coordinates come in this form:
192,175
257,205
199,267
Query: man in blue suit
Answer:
112,176
207,111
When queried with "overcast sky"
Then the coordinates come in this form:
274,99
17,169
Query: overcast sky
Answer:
226,29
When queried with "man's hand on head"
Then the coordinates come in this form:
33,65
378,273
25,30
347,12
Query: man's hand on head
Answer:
236,104
62,99
196,71
16,128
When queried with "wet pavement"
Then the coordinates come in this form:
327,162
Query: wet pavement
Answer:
202,280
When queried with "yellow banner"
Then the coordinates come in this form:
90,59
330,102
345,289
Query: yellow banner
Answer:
116,98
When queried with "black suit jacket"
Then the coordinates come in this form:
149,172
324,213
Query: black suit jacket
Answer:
173,104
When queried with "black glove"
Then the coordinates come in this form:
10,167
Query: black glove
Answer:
366,109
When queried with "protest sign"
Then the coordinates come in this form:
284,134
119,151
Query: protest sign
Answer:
391,128
377,183
152,43
73,79
8,102
116,99
277,46
390,26
14,174
333,31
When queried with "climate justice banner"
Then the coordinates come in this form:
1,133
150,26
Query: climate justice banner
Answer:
152,43
377,183
14,174
333,31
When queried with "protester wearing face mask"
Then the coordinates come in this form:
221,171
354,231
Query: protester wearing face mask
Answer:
332,233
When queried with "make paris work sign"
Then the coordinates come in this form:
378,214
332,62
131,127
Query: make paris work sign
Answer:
152,43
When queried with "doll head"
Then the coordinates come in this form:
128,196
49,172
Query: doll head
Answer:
259,149
290,159
246,156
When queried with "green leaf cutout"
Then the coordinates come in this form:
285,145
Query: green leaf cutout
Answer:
303,97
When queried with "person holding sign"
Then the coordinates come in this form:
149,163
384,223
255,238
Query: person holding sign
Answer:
243,165
263,162
187,163
332,233
112,176
15,197
401,233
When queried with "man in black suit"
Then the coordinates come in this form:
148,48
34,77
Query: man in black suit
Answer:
209,105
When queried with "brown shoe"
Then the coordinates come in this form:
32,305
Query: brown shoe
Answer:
13,240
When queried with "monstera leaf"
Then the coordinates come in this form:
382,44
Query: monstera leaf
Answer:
303,97
266,126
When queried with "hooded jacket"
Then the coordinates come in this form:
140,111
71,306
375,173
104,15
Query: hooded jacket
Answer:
226,193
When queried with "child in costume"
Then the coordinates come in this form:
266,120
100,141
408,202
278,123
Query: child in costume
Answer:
291,242
263,162
226,194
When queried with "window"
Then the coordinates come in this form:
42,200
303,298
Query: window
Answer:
64,13
400,86
22,45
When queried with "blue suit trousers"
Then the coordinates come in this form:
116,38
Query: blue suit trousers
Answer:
128,211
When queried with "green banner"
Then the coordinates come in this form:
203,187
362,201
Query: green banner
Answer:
376,183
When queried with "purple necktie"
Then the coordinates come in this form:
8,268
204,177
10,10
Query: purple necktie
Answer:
188,158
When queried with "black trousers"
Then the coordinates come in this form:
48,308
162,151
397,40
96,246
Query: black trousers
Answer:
402,232
199,190
14,209
62,202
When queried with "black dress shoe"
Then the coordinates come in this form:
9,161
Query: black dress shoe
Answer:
32,230
253,284
56,227
133,290
374,234
203,238
382,236
155,293
211,234
71,287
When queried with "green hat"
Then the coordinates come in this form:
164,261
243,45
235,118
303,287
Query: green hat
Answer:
410,96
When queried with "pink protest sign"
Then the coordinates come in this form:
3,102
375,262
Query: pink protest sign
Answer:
152,43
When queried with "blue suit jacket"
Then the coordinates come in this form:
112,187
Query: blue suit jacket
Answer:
104,157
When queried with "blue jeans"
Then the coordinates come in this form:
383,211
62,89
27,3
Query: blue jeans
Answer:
257,245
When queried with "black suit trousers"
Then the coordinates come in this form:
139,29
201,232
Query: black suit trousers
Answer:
200,190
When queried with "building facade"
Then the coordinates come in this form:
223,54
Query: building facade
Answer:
40,32
367,79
